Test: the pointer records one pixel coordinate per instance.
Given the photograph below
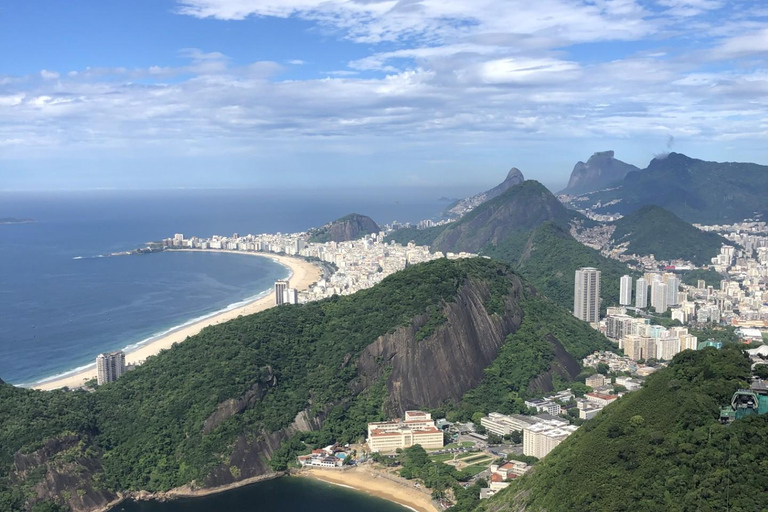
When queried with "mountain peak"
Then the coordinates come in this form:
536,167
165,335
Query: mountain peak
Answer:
515,175
599,172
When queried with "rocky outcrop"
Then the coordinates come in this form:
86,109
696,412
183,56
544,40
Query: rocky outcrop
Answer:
600,171
349,227
233,406
62,471
448,363
514,177
563,365
252,452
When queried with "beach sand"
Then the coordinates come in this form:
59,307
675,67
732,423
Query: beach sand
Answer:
372,482
303,275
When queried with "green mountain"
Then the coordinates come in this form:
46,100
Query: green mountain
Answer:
349,227
661,449
694,190
654,230
599,172
548,257
528,228
458,207
520,208
241,399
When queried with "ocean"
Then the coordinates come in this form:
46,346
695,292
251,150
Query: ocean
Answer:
280,495
61,304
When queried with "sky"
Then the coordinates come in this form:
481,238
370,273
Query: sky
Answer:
370,93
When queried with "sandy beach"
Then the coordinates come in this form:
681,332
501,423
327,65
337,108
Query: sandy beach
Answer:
371,482
303,274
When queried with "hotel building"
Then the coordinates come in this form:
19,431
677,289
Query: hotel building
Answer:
417,428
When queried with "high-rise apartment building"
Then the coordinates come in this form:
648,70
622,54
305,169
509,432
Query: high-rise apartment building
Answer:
625,291
641,293
586,296
673,285
659,296
109,367
280,288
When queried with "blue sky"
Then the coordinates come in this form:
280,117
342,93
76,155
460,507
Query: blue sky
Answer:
271,93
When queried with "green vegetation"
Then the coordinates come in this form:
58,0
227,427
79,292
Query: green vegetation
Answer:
418,236
349,227
654,230
519,209
151,424
711,277
528,352
658,449
694,190
548,258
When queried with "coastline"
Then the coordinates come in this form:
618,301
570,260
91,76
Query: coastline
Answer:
302,275
373,483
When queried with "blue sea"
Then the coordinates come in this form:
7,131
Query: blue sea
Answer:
61,304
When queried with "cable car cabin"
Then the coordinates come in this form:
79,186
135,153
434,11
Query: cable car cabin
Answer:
746,402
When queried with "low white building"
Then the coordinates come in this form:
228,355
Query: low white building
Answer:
543,437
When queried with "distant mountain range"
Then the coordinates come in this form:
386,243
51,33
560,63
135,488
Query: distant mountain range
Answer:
694,190
349,227
460,207
600,171
654,230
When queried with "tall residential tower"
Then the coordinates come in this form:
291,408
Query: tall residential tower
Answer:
109,367
586,295
625,291
641,293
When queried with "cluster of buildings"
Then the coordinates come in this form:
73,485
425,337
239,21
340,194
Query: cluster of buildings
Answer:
541,433
640,340
616,364
359,264
418,427
660,291
332,456
501,475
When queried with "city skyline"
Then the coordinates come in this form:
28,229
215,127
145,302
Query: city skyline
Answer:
230,93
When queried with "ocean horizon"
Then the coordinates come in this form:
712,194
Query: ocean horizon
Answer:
62,302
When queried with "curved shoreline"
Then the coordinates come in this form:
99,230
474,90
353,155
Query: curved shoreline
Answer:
371,482
302,274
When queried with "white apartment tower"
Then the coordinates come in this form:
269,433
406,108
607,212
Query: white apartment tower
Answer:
586,296
673,286
625,291
109,367
641,293
280,289
660,296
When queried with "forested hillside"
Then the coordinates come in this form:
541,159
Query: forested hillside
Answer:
654,230
694,190
658,449
549,256
242,398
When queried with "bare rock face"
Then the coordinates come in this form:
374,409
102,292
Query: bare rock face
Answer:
252,452
600,171
61,466
448,363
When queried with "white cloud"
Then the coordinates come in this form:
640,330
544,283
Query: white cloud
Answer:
49,75
754,43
